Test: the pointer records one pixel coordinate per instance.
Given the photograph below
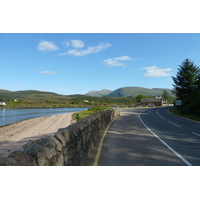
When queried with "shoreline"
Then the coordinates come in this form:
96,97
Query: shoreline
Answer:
21,107
14,136
13,115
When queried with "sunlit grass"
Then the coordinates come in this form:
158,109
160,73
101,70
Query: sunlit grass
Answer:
176,112
83,114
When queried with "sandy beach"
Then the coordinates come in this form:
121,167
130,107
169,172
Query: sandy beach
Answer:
14,136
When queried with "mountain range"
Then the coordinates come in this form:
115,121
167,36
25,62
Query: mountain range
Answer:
121,92
130,91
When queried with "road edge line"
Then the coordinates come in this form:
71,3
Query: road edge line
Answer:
182,117
96,160
170,148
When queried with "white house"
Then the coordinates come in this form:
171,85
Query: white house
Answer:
2,103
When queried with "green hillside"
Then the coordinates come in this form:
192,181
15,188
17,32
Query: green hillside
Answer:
134,91
35,98
4,91
33,95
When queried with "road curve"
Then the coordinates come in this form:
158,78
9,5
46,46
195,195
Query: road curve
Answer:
151,137
181,134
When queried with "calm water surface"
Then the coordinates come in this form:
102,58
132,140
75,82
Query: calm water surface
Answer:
9,115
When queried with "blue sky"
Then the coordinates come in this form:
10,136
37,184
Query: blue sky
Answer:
68,63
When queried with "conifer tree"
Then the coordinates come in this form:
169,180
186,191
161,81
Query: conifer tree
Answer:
186,80
186,84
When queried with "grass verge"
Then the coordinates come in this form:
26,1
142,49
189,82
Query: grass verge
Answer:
83,114
176,112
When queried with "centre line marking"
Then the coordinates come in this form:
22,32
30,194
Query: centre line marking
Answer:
174,124
170,148
196,134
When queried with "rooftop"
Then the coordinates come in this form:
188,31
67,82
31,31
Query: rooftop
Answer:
151,100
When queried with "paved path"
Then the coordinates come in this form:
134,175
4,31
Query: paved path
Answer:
150,137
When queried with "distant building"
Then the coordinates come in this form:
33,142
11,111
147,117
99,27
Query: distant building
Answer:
151,102
86,101
2,104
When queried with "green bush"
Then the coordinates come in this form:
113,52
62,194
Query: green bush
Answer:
97,109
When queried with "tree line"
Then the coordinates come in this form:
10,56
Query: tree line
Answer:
186,87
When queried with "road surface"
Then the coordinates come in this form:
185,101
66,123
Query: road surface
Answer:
151,137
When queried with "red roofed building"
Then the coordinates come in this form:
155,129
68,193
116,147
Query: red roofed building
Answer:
151,102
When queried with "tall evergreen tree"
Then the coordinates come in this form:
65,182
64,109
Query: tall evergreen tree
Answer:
196,102
186,84
186,80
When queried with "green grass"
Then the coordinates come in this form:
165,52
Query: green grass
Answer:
83,114
176,112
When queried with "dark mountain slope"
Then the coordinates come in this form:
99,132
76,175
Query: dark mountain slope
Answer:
134,91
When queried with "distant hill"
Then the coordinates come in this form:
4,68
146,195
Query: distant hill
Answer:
29,95
100,93
35,95
4,91
134,91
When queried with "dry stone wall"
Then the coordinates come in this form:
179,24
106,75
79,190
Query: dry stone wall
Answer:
68,147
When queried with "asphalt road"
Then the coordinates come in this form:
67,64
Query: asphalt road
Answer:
151,137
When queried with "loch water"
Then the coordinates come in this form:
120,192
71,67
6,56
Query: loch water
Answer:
12,115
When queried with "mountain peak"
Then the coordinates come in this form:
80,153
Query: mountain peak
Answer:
99,93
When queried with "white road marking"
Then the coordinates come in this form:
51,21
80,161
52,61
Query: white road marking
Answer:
174,124
196,134
162,117
159,114
170,148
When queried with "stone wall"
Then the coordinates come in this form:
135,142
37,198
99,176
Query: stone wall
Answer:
68,147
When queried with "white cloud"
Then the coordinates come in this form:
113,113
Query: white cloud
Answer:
47,46
74,43
66,43
122,58
89,50
114,62
154,71
15,85
77,43
47,72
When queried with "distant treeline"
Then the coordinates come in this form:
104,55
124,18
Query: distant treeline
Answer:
75,101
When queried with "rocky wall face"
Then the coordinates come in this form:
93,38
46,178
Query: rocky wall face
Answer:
69,146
